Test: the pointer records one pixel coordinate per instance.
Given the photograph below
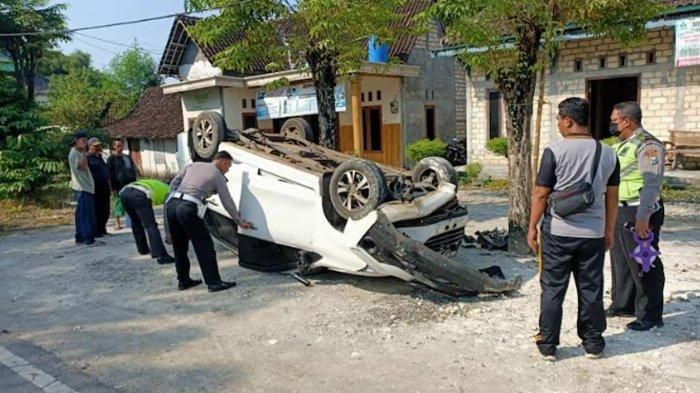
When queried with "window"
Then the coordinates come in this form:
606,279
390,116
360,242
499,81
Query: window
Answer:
494,114
651,57
252,103
372,128
623,61
602,62
578,65
244,103
250,120
379,95
430,122
363,97
369,96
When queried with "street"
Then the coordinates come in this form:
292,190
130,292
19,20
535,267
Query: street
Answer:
108,320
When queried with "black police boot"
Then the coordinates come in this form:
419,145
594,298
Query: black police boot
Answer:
182,285
221,286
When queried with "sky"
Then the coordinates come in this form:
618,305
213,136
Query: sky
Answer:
151,36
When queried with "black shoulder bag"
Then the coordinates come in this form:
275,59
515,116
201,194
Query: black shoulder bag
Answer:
578,197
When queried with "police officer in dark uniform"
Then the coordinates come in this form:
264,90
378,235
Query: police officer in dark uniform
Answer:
185,212
641,155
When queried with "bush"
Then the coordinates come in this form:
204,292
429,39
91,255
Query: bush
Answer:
498,146
423,148
29,156
473,170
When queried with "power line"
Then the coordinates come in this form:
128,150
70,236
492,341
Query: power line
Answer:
129,22
151,50
96,46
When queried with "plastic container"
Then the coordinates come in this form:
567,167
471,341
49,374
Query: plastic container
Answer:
377,52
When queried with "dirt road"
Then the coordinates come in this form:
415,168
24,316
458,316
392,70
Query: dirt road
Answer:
115,317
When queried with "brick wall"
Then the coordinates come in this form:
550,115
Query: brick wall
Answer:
669,96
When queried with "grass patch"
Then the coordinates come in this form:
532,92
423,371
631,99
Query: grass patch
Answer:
686,194
495,184
50,207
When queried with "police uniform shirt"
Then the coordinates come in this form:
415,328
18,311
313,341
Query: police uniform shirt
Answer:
202,180
650,158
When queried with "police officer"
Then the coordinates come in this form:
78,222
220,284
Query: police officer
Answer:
138,199
185,212
641,156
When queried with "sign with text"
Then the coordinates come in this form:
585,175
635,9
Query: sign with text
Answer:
688,42
294,101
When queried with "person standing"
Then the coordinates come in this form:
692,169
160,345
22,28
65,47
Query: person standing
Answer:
576,192
138,199
82,183
100,175
185,211
641,155
122,171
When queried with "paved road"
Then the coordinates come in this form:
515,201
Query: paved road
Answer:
26,368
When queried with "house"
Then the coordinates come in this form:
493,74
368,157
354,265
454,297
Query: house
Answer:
6,65
41,89
41,83
381,110
150,132
662,74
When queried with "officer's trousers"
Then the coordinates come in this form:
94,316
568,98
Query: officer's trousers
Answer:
642,296
186,226
143,222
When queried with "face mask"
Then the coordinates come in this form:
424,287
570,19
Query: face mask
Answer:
614,131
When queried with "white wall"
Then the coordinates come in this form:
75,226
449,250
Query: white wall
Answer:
391,90
194,65
233,105
159,158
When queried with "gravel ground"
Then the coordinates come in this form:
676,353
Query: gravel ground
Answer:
117,317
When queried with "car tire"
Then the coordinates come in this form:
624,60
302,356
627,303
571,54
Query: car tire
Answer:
207,133
296,127
435,170
357,188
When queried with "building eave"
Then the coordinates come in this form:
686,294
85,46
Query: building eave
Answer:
205,83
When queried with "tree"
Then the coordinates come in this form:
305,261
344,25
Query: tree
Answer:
80,98
509,37
29,156
324,37
133,70
56,62
20,16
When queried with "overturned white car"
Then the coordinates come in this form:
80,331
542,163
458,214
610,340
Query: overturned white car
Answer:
317,208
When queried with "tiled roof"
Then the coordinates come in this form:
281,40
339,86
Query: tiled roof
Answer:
155,116
403,45
179,38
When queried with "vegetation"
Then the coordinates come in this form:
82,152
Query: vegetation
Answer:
511,34
498,146
132,72
324,37
681,194
80,97
18,16
56,62
29,156
423,148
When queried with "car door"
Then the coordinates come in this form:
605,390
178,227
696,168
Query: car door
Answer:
280,208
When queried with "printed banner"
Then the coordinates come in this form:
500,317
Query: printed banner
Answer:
294,101
688,42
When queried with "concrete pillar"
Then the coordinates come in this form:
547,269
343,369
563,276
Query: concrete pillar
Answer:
356,110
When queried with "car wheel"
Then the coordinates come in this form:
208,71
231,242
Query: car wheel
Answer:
207,133
357,187
433,170
297,127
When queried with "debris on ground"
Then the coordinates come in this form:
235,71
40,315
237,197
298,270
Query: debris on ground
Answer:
494,239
